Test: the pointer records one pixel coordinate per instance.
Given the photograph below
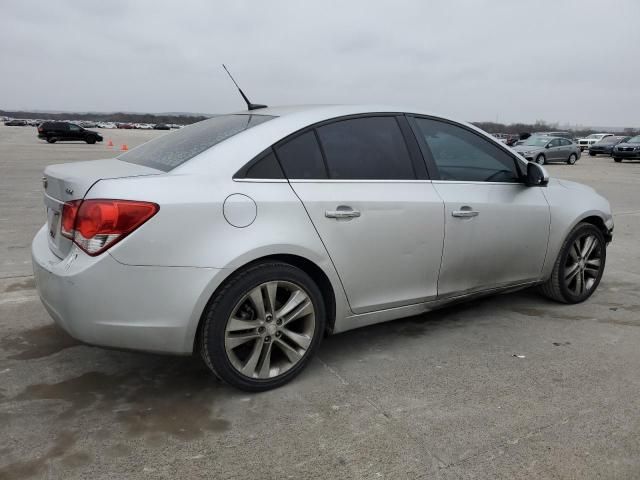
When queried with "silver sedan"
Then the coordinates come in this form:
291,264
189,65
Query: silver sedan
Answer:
248,237
545,149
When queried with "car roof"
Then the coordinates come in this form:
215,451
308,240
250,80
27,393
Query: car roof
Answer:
290,119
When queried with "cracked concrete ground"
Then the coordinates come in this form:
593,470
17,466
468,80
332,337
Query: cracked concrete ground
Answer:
435,396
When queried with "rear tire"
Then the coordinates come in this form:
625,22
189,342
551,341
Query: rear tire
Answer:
592,154
617,160
248,337
51,140
579,266
573,158
540,160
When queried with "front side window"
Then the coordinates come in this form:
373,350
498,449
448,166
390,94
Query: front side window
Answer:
173,149
462,155
554,143
74,128
366,148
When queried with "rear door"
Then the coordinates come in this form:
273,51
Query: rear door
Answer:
367,193
75,132
496,228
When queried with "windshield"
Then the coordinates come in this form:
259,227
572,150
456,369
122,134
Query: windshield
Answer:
635,139
173,149
536,141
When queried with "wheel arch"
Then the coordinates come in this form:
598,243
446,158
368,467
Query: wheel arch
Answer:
316,273
598,222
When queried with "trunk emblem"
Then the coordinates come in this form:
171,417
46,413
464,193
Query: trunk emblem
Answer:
69,190
44,182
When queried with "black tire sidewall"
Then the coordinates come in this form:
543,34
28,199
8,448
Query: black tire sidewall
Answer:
541,157
577,232
220,309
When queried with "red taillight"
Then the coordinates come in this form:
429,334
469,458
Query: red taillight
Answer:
96,225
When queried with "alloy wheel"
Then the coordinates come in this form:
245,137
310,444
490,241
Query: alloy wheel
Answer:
270,329
583,264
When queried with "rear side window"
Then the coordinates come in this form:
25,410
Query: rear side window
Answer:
266,167
301,158
367,148
173,149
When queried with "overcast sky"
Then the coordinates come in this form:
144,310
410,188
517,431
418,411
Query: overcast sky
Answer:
567,61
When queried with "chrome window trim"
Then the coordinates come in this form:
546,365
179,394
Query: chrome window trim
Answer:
478,182
260,180
328,180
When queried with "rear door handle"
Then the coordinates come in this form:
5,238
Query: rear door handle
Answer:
465,213
342,212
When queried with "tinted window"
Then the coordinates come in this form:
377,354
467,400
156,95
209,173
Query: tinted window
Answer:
301,158
74,128
555,142
463,155
265,167
366,148
173,149
565,142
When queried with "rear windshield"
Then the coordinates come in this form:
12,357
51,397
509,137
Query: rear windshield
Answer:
173,149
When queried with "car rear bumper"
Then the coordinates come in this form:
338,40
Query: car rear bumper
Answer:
100,301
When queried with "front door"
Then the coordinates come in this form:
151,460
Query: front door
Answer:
368,197
496,228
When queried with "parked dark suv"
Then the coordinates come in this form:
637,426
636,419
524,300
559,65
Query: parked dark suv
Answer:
63,131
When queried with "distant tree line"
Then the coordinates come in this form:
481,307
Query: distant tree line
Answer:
541,126
118,117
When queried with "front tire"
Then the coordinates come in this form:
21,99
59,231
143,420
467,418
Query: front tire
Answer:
91,140
579,266
51,140
263,327
592,154
573,158
617,160
540,160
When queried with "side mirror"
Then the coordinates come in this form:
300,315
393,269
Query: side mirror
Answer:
537,176
547,145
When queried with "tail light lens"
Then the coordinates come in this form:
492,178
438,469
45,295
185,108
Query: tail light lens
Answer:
98,224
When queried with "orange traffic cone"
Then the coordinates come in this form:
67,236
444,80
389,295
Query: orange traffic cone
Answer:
110,144
124,147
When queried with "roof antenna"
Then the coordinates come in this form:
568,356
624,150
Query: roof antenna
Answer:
250,106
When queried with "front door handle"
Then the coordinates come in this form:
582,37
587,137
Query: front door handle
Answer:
342,212
465,213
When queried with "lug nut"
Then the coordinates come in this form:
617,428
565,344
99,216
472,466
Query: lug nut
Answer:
269,318
260,329
267,339
278,334
279,321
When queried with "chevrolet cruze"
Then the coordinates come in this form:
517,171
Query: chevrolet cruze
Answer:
248,237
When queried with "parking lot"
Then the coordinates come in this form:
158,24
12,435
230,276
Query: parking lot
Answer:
511,386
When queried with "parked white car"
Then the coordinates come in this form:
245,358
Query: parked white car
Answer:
585,143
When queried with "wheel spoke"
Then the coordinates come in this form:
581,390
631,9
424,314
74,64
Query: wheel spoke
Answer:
270,289
589,244
258,302
265,366
235,340
294,300
249,367
571,272
594,262
574,251
592,272
299,339
302,311
289,351
235,324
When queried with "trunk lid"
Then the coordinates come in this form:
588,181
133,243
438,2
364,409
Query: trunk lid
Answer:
71,181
